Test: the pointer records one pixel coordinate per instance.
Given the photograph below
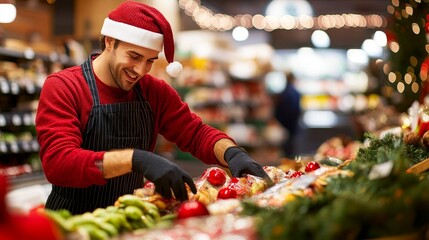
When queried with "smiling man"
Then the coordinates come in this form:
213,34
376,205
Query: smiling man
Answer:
97,123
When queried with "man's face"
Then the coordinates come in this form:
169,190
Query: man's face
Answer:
129,63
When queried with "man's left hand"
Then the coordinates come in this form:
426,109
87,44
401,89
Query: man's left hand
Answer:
241,163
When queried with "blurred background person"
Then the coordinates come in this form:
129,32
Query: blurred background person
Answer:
287,110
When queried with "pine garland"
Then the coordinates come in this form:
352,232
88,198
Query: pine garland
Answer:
357,207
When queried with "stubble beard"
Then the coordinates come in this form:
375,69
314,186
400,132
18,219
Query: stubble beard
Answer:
114,73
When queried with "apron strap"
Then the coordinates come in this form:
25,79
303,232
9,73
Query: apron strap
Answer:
89,76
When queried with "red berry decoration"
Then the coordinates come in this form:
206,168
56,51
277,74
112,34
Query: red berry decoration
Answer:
235,180
149,184
296,174
225,193
312,166
216,177
191,208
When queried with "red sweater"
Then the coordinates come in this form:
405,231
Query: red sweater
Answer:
65,103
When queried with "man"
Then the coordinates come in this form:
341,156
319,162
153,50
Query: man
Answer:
288,111
97,123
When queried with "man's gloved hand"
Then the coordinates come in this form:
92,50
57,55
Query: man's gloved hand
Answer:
163,173
240,163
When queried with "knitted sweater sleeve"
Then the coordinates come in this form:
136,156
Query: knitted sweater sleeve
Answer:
59,134
178,124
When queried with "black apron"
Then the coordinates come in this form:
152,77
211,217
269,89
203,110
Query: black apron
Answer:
110,126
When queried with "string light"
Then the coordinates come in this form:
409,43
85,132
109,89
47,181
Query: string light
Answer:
206,19
400,87
415,87
392,77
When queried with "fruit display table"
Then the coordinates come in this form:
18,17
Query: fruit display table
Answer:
348,190
362,198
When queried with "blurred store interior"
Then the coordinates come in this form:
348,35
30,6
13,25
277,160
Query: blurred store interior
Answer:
235,55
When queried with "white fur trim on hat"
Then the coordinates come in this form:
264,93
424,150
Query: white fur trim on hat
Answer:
131,34
173,69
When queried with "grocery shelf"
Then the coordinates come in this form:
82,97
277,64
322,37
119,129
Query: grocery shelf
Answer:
13,88
27,180
20,88
29,54
19,146
21,118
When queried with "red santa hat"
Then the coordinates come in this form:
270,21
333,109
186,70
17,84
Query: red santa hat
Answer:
144,26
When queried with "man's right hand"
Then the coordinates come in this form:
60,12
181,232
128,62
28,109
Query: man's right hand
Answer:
164,174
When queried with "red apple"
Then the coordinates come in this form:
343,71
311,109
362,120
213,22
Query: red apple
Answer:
216,177
311,166
226,192
191,208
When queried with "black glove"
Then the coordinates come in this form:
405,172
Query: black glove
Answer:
241,163
164,174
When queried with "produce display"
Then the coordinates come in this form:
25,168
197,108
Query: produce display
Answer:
367,195
213,184
127,214
340,147
219,198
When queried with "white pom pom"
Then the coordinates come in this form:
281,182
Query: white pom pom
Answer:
173,69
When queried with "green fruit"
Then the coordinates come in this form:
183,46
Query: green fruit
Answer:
133,212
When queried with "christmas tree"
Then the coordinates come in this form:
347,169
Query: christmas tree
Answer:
407,65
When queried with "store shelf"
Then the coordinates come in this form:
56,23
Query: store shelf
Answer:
16,119
22,75
13,88
20,181
29,54
19,146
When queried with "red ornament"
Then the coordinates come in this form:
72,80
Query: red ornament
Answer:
226,193
191,208
216,177
423,128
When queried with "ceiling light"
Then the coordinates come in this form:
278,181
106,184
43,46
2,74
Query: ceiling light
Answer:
320,39
371,47
7,11
240,34
380,38
294,8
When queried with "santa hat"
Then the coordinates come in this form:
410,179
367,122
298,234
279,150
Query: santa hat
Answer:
144,26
